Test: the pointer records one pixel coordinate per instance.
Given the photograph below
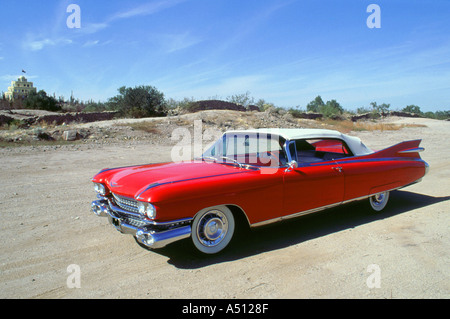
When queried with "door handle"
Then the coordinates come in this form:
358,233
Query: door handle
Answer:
337,168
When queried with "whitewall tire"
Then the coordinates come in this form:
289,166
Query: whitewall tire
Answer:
212,229
378,202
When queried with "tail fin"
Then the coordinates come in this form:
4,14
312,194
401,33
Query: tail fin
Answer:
404,149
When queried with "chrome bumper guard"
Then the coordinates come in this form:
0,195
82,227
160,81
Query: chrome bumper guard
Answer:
144,234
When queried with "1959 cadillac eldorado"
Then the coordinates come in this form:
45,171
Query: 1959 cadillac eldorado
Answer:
260,176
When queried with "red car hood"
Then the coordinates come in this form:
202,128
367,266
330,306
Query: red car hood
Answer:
134,180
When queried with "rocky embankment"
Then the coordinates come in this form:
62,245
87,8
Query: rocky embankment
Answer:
25,126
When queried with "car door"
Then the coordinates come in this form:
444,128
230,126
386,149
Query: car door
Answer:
315,183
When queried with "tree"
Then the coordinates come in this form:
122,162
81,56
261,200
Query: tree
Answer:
412,109
335,106
263,105
381,109
330,109
140,101
243,99
41,101
442,115
314,106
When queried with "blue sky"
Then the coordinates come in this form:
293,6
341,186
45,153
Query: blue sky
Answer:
286,52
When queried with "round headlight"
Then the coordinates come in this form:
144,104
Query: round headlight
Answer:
100,188
150,211
141,208
147,210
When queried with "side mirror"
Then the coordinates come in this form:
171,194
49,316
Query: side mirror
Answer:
292,165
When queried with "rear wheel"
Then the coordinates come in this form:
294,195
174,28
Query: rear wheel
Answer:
379,201
213,229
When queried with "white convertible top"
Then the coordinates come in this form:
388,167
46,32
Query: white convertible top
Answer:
354,143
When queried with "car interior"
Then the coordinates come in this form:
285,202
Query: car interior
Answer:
311,151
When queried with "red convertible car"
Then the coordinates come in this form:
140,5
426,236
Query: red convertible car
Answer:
260,176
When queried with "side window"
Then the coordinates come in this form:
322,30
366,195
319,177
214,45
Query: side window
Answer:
318,150
293,151
331,146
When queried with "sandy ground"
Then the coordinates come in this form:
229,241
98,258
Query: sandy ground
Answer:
47,227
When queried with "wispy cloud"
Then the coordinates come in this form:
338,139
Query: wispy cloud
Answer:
37,45
142,10
91,43
175,42
90,28
249,26
146,9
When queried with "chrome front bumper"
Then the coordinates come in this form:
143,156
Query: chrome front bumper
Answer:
147,233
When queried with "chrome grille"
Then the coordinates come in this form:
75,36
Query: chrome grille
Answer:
136,222
126,203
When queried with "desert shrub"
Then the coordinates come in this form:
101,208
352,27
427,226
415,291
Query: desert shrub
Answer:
41,101
95,107
315,105
380,109
442,115
412,109
243,99
140,101
331,109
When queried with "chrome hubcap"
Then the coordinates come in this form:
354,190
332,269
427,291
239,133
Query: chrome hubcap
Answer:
378,199
212,228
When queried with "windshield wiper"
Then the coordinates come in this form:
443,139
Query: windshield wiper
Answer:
218,160
207,157
233,160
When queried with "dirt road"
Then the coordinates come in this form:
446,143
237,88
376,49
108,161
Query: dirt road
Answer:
346,252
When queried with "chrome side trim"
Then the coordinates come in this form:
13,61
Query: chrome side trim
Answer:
412,150
146,189
306,212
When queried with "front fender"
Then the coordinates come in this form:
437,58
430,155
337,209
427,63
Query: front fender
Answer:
260,196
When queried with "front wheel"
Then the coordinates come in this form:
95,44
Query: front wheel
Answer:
212,229
379,201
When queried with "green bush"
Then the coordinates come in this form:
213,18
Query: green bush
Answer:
140,101
94,107
331,109
412,109
442,115
314,106
41,101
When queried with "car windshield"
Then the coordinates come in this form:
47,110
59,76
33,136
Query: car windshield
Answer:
248,149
